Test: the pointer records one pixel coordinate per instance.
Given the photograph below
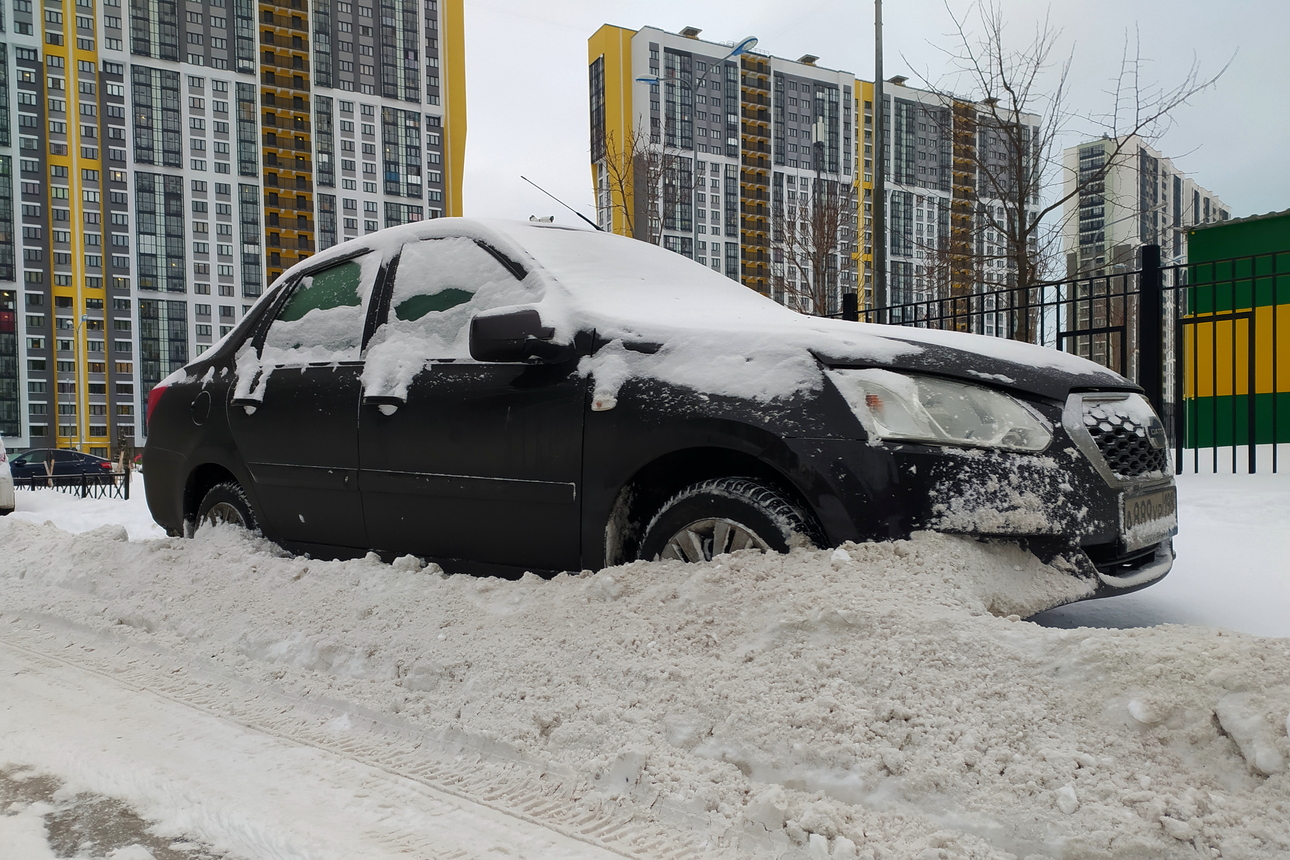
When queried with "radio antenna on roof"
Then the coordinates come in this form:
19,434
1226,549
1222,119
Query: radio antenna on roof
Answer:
593,224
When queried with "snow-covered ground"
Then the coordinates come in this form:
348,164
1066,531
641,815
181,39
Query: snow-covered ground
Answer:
880,701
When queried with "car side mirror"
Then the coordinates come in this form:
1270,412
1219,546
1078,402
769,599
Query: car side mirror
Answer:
512,334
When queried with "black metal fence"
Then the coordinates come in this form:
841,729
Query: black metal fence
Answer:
1201,339
113,485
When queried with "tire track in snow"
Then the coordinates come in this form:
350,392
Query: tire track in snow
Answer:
415,767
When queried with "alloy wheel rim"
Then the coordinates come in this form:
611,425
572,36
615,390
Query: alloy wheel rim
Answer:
704,539
223,512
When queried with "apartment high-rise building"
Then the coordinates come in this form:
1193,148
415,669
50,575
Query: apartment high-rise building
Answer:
714,156
762,168
948,162
1141,199
1121,195
162,163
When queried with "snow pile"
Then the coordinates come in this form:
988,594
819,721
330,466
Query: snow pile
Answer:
878,701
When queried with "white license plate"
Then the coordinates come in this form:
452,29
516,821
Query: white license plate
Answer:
1148,518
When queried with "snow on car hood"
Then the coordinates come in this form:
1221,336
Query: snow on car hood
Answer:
714,334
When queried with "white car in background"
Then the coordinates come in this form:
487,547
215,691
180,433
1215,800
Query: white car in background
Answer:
6,483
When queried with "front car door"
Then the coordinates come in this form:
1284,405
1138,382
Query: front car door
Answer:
294,412
460,459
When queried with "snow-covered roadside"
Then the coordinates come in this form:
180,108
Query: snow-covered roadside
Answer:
863,702
1233,565
203,777
74,514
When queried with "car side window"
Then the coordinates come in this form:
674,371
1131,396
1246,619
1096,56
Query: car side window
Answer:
322,320
439,285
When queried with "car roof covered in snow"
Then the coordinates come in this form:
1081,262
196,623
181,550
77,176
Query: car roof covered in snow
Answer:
717,334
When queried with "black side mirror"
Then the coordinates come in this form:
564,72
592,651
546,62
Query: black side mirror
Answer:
516,334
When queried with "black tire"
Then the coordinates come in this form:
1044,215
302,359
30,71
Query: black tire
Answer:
724,515
226,503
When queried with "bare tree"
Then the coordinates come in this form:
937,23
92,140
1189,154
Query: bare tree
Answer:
1010,168
808,239
646,184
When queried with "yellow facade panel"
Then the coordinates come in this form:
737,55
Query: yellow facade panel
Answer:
454,90
1217,354
614,45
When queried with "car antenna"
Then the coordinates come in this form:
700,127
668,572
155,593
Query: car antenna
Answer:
593,224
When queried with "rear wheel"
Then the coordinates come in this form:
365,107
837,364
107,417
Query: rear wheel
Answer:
226,503
724,515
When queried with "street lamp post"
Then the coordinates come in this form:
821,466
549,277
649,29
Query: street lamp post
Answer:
742,48
739,49
880,297
76,440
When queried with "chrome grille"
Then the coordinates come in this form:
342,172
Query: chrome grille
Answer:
1124,441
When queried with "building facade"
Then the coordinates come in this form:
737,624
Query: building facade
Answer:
162,162
1236,344
948,164
1141,199
1122,194
745,163
762,168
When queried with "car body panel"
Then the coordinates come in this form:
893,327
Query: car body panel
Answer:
557,464
478,449
64,462
300,444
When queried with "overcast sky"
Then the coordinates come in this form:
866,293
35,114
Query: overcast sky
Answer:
526,72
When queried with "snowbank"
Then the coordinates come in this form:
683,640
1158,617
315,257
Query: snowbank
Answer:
878,701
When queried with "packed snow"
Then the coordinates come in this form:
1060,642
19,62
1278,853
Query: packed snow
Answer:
873,701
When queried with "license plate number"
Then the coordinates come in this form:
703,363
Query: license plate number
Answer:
1148,518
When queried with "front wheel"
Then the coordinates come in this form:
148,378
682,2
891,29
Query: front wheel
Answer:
226,503
724,515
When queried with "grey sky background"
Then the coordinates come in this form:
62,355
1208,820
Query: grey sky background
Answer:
526,73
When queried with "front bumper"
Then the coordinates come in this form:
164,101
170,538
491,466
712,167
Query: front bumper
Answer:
1057,503
1123,575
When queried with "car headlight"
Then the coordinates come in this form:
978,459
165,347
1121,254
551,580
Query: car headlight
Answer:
915,408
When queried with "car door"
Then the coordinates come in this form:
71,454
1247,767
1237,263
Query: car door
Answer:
461,459
294,411
66,463
21,465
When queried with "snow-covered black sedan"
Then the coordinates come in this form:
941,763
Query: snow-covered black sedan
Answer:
500,397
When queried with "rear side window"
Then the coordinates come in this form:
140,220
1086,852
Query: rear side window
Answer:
322,320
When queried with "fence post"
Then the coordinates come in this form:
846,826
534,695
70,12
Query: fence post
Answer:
1151,356
850,306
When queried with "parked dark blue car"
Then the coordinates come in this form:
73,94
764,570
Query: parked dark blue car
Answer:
64,465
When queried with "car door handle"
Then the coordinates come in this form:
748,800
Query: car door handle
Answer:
388,404
248,403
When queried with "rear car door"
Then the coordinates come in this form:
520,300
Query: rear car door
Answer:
67,463
461,459
294,411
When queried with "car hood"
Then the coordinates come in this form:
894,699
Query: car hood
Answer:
716,335
987,360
